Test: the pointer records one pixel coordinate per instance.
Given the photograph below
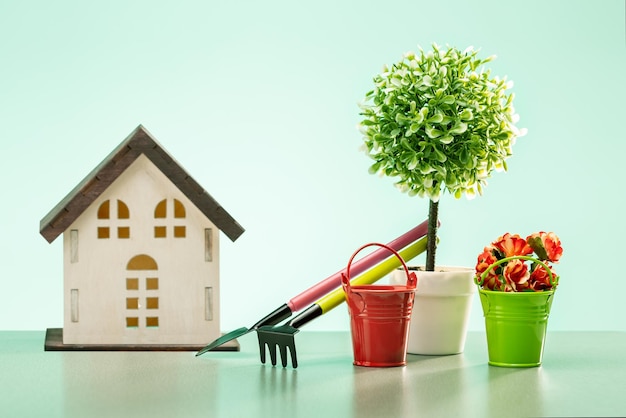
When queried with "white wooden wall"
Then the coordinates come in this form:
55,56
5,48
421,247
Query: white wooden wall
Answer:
95,268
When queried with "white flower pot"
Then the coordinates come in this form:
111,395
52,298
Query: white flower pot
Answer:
441,309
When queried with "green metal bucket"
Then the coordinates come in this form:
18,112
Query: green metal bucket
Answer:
516,324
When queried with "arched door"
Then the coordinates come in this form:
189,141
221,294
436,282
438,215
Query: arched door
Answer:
142,292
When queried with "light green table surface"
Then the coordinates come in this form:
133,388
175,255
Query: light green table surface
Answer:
583,374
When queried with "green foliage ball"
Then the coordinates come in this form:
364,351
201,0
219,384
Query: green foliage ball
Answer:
438,121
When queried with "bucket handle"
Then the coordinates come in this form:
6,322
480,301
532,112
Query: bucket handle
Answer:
411,281
479,280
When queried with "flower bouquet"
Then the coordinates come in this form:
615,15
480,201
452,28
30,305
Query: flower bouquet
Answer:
516,287
503,264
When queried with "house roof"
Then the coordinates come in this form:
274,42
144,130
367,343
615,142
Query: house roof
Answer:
138,142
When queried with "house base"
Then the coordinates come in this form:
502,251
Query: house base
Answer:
54,342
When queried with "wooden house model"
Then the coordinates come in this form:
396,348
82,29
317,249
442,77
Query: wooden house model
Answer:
140,251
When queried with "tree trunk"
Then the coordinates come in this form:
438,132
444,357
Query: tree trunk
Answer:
431,246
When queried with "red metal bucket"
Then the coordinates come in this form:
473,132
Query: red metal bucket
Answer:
379,317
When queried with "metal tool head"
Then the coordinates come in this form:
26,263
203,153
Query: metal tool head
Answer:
281,336
224,339
274,317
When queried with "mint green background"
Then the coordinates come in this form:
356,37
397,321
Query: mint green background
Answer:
258,101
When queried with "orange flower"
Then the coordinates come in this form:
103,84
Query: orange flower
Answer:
546,245
485,259
552,243
539,279
511,245
516,275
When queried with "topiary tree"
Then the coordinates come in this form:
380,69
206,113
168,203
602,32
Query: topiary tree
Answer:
437,121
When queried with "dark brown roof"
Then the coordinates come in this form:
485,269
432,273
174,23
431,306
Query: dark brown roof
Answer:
138,142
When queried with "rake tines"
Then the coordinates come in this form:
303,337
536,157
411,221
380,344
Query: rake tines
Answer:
281,337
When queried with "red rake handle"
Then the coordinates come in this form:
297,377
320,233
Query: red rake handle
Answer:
329,284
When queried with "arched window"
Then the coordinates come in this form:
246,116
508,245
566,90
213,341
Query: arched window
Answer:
113,221
175,222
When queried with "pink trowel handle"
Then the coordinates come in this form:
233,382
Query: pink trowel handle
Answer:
329,284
